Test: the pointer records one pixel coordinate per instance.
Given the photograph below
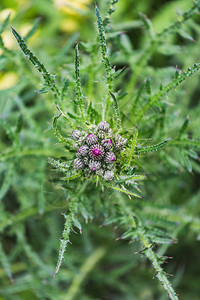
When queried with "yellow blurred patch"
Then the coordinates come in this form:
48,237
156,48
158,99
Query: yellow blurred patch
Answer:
8,80
25,28
8,39
69,25
7,36
71,7
5,12
74,10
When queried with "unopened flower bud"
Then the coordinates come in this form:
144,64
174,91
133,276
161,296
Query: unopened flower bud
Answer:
107,144
101,134
108,175
83,150
110,157
119,147
76,134
78,163
91,139
105,126
94,165
120,140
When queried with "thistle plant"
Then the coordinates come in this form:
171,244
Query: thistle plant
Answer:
108,163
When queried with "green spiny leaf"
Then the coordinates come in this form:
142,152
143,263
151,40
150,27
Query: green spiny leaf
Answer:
129,193
125,179
79,95
57,132
48,78
103,47
117,112
58,164
64,241
72,177
166,89
160,274
147,149
111,9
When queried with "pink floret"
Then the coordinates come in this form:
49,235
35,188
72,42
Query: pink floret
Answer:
96,152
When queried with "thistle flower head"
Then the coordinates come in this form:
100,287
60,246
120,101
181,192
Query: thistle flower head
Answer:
105,126
76,134
97,150
83,150
108,175
94,165
91,139
120,142
110,157
79,164
107,144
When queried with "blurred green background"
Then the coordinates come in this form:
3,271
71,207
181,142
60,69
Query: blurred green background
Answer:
31,208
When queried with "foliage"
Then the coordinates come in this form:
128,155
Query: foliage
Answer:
152,201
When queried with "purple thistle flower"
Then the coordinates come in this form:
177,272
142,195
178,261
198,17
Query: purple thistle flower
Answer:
108,175
107,144
83,150
96,152
105,126
76,134
91,139
78,163
110,157
94,165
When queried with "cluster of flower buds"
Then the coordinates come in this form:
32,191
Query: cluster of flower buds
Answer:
97,151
